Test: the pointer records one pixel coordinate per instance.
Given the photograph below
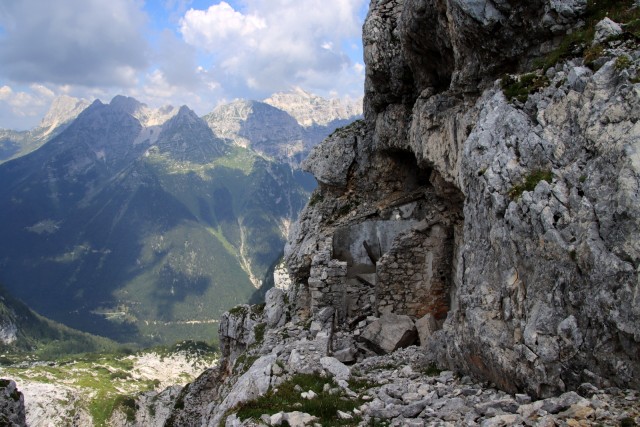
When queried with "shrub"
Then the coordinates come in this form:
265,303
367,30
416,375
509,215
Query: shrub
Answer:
258,330
592,54
316,198
520,88
622,62
530,182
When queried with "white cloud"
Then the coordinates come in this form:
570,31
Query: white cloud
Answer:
275,46
82,42
5,93
219,25
21,109
43,90
97,49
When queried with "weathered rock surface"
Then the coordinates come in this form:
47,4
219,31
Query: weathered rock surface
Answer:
340,147
426,326
390,333
12,413
521,235
237,330
507,226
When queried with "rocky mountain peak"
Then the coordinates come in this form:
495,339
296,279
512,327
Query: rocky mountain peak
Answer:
246,122
63,109
188,138
142,112
309,109
127,104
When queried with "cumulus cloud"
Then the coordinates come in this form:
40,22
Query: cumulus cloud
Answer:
232,49
19,109
85,42
270,47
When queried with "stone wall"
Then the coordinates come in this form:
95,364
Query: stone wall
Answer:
414,278
327,283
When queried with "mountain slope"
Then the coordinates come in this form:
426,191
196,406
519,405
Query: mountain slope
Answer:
286,127
142,233
63,110
21,330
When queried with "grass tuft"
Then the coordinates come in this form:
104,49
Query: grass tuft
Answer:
286,398
519,88
530,182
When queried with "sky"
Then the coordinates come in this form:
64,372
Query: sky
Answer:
180,52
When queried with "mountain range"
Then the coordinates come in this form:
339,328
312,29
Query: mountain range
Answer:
145,225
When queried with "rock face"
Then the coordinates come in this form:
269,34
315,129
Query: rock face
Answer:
502,215
512,222
12,412
311,110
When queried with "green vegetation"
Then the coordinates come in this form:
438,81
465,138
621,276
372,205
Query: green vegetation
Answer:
162,242
530,182
103,376
259,330
316,198
592,54
519,88
243,363
127,405
110,382
628,422
431,371
39,338
286,398
360,384
622,62
578,42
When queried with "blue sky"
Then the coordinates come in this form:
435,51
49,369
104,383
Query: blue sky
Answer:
194,52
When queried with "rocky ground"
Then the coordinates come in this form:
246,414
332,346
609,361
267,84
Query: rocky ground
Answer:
288,376
97,389
402,389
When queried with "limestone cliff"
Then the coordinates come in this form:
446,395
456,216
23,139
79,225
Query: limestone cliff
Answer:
486,208
513,222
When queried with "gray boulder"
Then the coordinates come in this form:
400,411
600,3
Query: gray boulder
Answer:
330,161
606,29
426,326
391,332
274,310
338,369
12,412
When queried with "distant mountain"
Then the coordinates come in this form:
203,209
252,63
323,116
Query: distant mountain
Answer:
141,224
312,110
18,143
284,127
259,126
23,330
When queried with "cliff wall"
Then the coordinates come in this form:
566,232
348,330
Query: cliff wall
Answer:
485,210
513,222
